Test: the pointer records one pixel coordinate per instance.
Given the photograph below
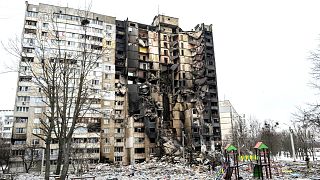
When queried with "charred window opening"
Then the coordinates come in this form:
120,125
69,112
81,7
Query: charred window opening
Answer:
139,150
138,129
152,140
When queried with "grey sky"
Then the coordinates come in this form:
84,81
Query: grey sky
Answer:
261,47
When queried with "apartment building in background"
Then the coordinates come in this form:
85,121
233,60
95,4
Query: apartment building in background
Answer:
229,119
155,83
6,123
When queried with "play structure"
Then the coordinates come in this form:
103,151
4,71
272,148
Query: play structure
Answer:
260,162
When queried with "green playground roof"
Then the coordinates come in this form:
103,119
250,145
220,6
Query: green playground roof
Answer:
260,146
230,147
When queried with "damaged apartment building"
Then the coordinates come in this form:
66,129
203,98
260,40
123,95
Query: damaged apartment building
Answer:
157,85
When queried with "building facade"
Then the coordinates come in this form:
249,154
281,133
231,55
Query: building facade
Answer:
229,120
6,123
154,84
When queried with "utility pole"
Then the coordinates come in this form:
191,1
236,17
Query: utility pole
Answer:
292,145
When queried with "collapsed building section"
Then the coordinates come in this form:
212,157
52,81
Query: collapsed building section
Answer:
171,88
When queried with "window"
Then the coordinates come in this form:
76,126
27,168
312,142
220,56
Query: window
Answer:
93,150
118,140
108,43
95,82
106,150
182,45
38,110
165,52
6,129
93,140
120,130
138,140
18,152
19,142
45,34
31,23
106,130
108,27
22,109
45,25
35,141
165,60
27,50
36,131
182,52
36,121
31,14
138,129
21,130
118,158
118,149
107,76
165,45
139,150
23,88
23,98
30,31
21,119
27,59
71,43
165,37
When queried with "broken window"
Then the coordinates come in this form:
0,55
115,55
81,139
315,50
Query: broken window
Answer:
138,129
165,52
165,45
118,158
165,60
182,45
165,37
138,140
182,52
118,149
119,130
139,150
152,140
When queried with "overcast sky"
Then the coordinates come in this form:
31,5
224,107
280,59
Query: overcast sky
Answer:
261,47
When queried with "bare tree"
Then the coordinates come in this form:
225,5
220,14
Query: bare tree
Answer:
31,157
5,154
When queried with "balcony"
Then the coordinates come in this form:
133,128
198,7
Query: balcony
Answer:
121,144
118,107
138,124
19,136
140,156
210,67
216,124
119,135
118,116
118,154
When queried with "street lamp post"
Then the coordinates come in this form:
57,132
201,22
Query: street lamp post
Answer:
292,145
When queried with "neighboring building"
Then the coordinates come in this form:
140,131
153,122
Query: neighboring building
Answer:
6,123
158,83
229,118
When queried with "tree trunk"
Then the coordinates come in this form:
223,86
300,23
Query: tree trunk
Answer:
66,158
60,154
47,157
